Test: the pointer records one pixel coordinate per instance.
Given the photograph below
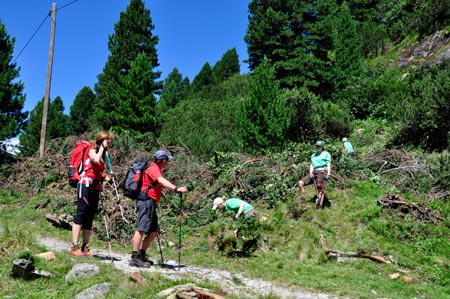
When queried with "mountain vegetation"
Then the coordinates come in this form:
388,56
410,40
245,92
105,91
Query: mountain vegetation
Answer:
376,72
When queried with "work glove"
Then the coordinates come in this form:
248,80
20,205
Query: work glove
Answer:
311,176
327,177
237,216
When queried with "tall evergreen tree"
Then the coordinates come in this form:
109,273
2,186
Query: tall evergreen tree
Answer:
203,79
12,119
57,126
174,90
278,30
137,113
227,66
81,110
264,120
133,36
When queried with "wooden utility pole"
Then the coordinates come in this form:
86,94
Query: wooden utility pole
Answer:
48,83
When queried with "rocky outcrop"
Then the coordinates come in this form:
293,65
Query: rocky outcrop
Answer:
430,51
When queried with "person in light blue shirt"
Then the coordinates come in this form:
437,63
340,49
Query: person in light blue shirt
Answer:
348,147
319,169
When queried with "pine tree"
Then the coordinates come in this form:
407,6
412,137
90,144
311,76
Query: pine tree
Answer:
175,89
132,37
263,119
226,67
279,30
12,119
81,110
202,80
57,126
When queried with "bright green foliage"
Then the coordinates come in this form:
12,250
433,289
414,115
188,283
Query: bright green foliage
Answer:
263,120
226,67
58,125
203,80
427,121
133,37
278,30
301,104
346,53
12,119
137,113
81,110
175,89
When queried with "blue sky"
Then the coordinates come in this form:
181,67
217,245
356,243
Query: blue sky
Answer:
190,33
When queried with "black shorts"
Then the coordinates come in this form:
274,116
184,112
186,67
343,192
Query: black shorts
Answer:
87,205
147,219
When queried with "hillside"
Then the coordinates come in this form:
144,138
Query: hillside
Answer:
364,246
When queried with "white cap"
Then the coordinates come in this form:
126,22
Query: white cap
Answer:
217,201
344,139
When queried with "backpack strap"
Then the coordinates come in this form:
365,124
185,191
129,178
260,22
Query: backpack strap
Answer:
150,185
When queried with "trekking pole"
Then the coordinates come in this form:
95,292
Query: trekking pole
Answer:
179,236
160,250
108,161
108,239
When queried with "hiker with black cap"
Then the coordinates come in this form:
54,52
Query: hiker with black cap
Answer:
147,221
348,148
319,169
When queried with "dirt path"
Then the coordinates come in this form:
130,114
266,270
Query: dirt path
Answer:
231,283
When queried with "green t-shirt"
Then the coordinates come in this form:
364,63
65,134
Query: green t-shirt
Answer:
349,147
232,204
320,160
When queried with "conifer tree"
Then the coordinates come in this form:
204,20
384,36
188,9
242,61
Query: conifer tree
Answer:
174,90
57,126
12,119
132,37
227,66
263,120
81,110
203,79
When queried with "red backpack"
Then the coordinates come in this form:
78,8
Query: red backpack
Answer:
76,166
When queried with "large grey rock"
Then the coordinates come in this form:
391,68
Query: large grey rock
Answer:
97,291
82,270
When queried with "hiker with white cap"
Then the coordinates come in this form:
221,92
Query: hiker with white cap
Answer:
236,205
319,169
348,147
147,221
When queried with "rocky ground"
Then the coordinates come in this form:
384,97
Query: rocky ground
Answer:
231,283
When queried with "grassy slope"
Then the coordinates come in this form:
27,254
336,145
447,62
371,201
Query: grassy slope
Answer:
293,252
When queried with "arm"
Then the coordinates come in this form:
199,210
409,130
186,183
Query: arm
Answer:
97,156
328,169
239,212
168,185
311,170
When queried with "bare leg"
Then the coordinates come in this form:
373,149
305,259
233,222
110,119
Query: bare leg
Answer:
148,240
86,236
301,184
76,229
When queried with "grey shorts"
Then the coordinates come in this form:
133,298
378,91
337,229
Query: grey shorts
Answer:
319,174
147,219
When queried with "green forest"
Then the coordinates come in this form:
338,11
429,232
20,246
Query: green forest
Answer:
375,72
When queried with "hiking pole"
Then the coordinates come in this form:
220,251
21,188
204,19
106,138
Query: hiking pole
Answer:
160,250
108,239
322,196
108,161
179,235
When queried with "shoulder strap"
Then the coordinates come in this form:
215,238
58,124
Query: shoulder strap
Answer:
150,185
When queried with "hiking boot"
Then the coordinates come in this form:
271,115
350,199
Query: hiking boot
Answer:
142,256
136,261
75,250
86,250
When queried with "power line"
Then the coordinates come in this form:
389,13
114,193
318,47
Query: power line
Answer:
39,27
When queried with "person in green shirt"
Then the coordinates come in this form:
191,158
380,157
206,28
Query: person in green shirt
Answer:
236,205
348,147
319,169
